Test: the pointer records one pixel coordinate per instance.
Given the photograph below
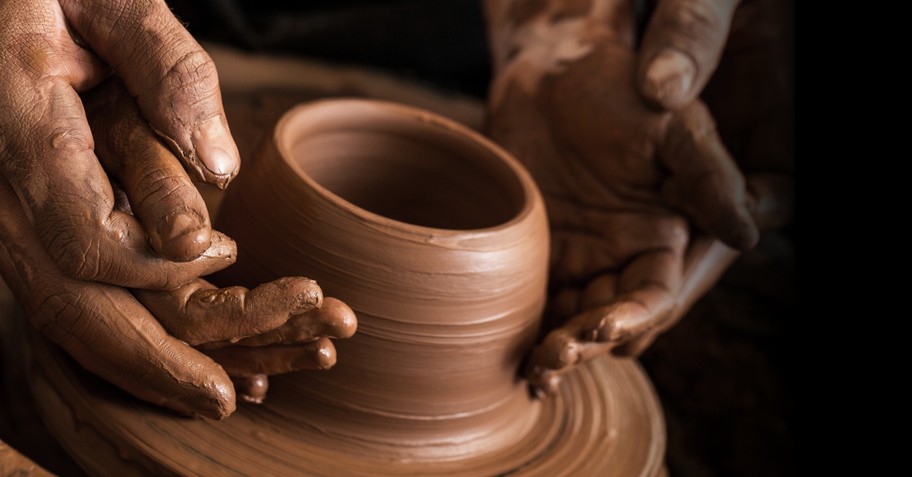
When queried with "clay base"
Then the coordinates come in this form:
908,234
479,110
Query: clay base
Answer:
606,421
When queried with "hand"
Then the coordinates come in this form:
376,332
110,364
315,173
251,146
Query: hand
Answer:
616,175
105,329
62,236
742,53
56,49
277,327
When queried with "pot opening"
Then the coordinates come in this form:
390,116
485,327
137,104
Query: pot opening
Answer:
407,169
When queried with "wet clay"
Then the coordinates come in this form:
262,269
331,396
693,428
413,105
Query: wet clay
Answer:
435,238
438,241
605,420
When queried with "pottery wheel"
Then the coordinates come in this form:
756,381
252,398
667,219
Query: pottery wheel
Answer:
606,419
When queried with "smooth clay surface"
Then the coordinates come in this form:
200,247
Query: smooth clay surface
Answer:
438,241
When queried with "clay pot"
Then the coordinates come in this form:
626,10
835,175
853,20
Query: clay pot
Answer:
436,238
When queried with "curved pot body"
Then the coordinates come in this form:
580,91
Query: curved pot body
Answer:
436,238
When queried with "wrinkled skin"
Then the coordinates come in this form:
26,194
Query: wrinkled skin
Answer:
87,214
632,173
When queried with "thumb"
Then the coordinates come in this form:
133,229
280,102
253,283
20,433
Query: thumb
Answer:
174,81
681,49
104,329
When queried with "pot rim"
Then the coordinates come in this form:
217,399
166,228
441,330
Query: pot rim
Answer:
282,140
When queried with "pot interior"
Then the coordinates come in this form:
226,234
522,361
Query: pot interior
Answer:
408,169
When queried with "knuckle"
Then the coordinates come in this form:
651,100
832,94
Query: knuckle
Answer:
158,186
60,315
192,73
77,252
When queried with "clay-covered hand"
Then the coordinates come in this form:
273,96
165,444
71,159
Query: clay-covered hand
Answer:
52,51
61,235
756,56
114,335
142,341
620,179
103,326
738,57
278,327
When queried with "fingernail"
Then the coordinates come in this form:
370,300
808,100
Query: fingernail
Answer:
184,237
252,389
669,78
339,319
222,247
544,383
214,146
326,354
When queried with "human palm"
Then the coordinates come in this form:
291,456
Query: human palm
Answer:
620,180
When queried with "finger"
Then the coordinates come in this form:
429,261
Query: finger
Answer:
161,194
705,261
252,389
105,329
543,382
48,159
545,370
333,320
200,313
242,361
681,49
172,78
646,292
705,181
86,69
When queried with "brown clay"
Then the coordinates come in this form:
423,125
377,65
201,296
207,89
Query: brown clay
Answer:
429,384
605,420
620,178
139,340
437,240
106,329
